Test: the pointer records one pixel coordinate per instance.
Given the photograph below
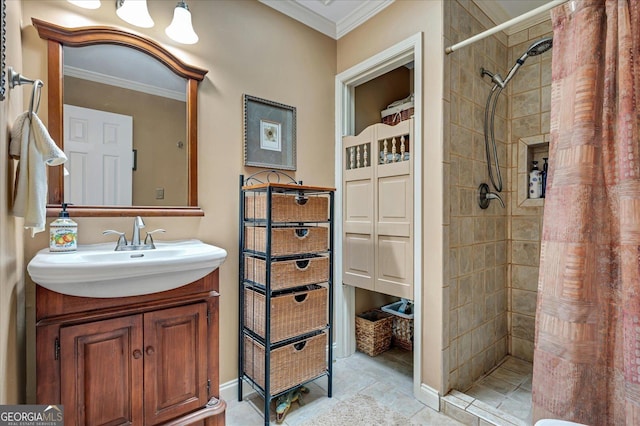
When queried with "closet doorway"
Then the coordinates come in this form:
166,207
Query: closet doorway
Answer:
406,55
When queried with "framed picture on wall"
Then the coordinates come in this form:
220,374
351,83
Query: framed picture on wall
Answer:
269,134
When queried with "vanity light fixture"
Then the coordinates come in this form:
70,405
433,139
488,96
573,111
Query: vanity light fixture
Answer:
181,30
134,12
86,4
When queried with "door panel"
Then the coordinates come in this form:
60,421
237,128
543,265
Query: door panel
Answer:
358,260
394,263
395,206
175,362
101,372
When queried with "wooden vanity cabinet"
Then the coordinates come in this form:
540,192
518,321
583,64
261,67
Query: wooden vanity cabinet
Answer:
141,360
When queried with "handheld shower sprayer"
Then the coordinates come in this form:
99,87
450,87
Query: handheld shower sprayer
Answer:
499,84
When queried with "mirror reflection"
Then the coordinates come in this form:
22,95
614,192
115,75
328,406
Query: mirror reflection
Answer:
125,129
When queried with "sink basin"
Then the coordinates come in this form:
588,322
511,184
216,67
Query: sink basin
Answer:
97,270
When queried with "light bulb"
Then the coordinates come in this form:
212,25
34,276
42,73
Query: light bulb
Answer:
86,4
181,29
134,12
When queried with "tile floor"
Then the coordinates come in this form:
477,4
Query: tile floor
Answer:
387,377
502,397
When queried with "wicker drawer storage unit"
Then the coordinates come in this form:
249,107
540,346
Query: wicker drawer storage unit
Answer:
286,285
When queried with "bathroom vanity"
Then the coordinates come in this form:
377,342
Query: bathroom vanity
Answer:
141,360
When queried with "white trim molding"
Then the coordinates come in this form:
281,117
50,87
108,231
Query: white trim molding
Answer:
400,54
295,9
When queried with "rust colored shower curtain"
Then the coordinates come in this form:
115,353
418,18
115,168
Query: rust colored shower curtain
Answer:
587,350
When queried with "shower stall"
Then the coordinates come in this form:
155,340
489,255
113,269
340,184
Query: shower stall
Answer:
494,127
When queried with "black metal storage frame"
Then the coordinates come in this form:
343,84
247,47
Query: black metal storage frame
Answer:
269,182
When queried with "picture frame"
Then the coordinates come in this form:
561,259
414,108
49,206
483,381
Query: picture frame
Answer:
269,134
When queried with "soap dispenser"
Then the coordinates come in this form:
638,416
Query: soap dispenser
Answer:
64,233
535,181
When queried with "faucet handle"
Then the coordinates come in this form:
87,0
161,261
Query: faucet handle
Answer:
485,196
148,240
122,240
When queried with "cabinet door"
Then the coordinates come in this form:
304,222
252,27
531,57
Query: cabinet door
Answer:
101,371
175,371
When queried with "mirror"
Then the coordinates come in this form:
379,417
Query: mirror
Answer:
153,190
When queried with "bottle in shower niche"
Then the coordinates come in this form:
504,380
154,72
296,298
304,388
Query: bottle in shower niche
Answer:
545,170
535,181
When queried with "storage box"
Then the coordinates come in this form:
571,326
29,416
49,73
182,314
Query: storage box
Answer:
287,208
373,332
395,115
292,314
288,273
402,328
288,240
290,365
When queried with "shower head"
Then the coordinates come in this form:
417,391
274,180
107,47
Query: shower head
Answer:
535,49
540,46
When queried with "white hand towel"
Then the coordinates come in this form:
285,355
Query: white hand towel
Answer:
32,144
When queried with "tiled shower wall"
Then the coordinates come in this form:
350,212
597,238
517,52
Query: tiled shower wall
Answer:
475,290
530,103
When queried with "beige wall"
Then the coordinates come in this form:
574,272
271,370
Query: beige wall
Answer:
477,244
247,48
530,103
158,124
397,22
12,328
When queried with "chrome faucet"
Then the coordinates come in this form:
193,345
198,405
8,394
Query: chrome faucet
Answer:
123,245
138,224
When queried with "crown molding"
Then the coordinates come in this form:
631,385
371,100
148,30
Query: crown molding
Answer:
359,16
304,15
496,13
295,10
123,83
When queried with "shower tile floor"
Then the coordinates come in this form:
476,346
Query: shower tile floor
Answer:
502,397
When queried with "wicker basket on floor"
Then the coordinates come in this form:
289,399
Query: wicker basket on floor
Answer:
402,333
373,332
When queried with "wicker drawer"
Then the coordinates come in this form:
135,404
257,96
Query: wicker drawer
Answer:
289,240
288,273
287,208
290,365
292,314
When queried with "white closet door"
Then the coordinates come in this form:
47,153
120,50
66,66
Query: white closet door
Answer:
99,147
378,209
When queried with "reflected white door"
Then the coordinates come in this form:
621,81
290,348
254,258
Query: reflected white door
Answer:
99,146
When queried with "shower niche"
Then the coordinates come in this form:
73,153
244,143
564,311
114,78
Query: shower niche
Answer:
530,149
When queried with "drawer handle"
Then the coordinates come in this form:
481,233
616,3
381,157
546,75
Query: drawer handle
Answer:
150,350
300,346
301,200
300,297
137,354
302,265
302,233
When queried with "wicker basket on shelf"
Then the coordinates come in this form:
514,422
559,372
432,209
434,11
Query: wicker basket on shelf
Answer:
373,332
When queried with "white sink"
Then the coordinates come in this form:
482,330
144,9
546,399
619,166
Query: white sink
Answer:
97,270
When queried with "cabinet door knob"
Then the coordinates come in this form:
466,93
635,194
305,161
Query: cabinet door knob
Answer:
137,354
150,350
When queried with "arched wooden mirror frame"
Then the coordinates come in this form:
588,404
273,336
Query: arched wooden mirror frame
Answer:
57,37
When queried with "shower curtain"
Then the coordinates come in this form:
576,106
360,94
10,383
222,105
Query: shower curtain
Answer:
587,350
